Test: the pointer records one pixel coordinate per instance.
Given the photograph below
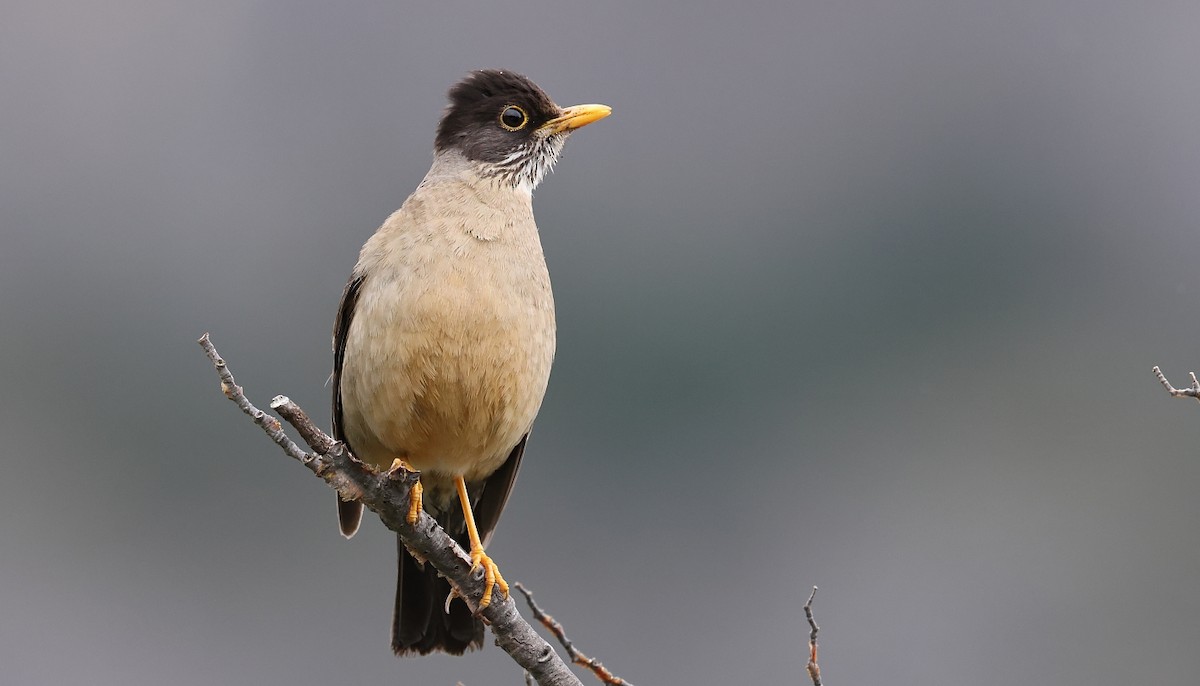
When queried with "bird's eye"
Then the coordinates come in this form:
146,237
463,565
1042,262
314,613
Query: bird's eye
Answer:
513,118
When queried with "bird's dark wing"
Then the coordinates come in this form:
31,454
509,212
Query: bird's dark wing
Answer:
349,512
496,489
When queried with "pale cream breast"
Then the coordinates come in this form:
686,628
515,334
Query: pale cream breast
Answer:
449,351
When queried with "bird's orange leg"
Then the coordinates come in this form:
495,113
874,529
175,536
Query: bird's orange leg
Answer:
414,496
491,572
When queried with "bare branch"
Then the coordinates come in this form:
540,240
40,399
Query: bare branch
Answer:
234,392
387,495
578,657
814,670
1193,392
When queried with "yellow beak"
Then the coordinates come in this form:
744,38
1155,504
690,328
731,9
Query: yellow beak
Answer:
576,116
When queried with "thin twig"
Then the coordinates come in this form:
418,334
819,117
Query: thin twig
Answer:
576,656
814,670
387,495
1193,392
234,392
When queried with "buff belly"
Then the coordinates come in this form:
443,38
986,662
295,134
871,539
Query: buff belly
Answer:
449,387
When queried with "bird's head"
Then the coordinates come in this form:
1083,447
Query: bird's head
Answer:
510,127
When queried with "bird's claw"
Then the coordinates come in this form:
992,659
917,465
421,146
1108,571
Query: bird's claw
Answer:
491,576
414,494
414,503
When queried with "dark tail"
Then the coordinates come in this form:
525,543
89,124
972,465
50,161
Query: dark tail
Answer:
420,624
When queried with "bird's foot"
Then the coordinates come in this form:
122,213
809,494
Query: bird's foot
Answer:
414,495
479,559
414,503
491,576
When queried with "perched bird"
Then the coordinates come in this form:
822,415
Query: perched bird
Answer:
445,335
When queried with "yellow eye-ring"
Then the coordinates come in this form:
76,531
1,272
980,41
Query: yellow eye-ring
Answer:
513,118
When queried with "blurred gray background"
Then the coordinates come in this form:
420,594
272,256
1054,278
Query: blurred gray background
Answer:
859,294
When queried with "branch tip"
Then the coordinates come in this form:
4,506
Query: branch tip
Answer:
598,669
814,670
1192,392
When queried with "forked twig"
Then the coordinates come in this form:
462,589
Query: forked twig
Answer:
1193,392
